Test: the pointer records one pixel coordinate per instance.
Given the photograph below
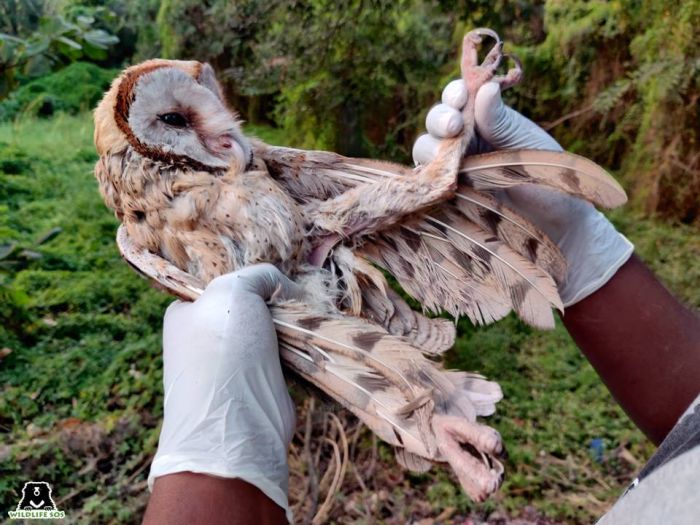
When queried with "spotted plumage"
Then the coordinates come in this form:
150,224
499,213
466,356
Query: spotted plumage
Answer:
198,199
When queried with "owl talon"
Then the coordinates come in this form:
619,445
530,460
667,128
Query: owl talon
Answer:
475,75
469,448
513,76
476,35
469,50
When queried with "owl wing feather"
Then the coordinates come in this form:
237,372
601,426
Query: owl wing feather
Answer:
471,255
371,297
407,399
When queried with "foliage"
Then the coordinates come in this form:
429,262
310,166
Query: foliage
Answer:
36,45
81,393
620,82
75,88
238,26
83,375
345,75
351,77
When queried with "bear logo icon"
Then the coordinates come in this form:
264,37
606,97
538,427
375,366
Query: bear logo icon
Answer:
36,495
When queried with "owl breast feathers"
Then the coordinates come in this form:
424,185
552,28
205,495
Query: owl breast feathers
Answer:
190,188
179,173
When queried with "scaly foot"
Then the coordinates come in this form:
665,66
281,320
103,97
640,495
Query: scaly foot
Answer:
470,449
476,75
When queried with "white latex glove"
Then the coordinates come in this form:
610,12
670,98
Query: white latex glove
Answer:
227,409
593,248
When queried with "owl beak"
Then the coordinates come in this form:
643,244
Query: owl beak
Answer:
227,146
222,144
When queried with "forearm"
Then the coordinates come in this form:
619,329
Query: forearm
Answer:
190,499
643,343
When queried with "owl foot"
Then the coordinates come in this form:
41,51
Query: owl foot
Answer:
476,75
471,450
513,76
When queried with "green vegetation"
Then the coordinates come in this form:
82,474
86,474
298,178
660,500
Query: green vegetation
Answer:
76,88
620,82
36,38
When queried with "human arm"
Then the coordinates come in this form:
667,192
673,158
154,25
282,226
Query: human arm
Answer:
641,340
644,343
186,498
228,418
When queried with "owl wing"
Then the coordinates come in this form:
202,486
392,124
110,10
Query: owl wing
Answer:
408,400
470,255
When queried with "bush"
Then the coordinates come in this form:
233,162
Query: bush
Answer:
619,82
76,88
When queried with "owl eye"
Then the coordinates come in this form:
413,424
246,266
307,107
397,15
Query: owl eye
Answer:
177,120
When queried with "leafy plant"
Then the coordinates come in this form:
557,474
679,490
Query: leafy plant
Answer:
77,87
13,256
620,82
54,42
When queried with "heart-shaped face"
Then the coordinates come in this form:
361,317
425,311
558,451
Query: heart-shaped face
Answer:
174,111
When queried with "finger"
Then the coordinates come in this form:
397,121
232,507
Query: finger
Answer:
282,288
455,94
444,121
530,201
488,108
505,128
264,280
425,148
269,282
176,310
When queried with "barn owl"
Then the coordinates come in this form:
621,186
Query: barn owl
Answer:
197,198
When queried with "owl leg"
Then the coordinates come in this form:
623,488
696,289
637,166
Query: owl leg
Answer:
367,209
370,208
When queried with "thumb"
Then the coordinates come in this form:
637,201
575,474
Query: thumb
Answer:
267,281
503,127
489,112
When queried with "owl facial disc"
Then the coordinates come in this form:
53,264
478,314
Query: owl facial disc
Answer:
176,117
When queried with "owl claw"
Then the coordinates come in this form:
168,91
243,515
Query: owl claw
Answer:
469,50
469,448
513,76
475,75
476,35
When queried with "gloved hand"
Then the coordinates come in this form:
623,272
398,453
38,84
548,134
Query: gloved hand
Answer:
227,409
593,248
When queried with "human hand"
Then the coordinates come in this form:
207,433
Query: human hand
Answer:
593,248
227,409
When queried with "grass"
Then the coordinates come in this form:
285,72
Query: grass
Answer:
81,369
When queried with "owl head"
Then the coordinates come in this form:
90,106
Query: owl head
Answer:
171,111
